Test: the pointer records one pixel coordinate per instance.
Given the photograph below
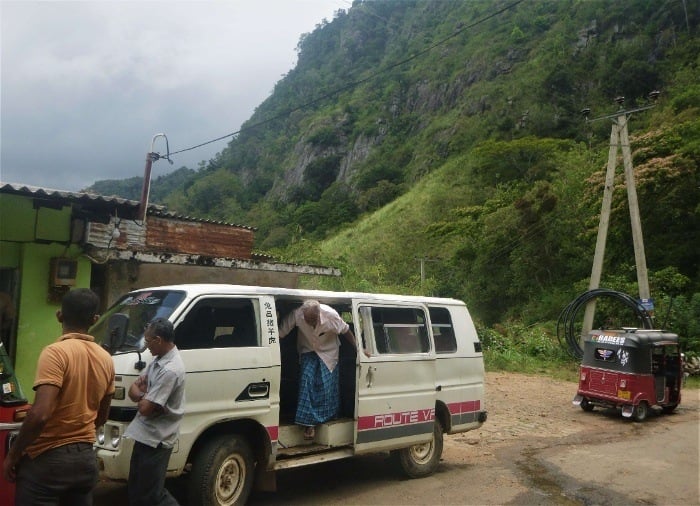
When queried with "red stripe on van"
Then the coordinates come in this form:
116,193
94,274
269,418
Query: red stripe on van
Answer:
385,420
273,432
457,408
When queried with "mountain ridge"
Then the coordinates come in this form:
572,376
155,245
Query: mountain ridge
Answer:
478,142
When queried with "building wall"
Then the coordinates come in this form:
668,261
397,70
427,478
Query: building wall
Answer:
34,229
31,234
37,324
199,238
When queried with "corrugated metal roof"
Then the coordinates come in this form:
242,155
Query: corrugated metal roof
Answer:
164,213
93,199
36,191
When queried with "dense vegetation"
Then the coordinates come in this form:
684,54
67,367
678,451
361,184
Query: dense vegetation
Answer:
449,134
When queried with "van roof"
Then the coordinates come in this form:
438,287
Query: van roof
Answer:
194,289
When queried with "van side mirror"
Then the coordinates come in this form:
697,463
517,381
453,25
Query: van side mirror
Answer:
117,327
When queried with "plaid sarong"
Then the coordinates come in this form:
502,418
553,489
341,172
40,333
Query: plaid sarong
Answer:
319,393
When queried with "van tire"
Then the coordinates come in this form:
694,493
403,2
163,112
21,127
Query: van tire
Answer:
222,473
421,459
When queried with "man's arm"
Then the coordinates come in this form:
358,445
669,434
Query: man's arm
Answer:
138,388
103,410
350,337
287,324
149,408
45,402
137,391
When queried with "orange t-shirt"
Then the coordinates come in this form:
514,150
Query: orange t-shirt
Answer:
84,372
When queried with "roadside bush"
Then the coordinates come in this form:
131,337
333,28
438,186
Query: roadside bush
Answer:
519,348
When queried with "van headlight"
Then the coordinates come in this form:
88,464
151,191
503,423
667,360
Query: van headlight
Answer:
115,436
109,436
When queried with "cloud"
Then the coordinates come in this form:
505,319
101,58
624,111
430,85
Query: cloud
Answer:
86,85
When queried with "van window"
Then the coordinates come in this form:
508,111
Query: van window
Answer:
398,329
219,323
443,332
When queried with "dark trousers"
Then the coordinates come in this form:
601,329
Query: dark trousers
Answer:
147,476
61,476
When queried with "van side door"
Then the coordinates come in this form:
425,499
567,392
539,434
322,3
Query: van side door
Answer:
396,384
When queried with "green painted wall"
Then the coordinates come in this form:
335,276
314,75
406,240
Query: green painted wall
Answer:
37,325
9,254
29,238
17,219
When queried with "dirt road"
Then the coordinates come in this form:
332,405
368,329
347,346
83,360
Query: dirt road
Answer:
535,448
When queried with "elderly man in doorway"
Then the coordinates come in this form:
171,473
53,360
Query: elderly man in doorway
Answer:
318,345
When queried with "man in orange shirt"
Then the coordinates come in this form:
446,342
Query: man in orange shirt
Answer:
52,460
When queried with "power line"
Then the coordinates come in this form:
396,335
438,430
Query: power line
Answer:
353,84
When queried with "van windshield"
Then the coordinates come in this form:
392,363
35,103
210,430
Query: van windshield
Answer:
133,312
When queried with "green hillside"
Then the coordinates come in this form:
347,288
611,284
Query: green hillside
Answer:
449,134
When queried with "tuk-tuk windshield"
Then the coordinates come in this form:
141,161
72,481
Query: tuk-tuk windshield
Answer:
121,328
10,391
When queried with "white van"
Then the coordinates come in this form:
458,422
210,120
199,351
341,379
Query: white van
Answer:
424,377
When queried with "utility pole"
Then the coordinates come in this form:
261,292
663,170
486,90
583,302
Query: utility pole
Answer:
619,139
146,188
422,268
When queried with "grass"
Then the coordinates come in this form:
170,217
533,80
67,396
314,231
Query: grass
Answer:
510,360
692,383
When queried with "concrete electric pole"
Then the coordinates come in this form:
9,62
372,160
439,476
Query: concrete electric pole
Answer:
619,139
151,157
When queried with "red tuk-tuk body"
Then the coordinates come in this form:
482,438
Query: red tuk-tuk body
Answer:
630,369
13,409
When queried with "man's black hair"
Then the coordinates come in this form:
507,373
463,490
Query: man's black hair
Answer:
163,328
79,307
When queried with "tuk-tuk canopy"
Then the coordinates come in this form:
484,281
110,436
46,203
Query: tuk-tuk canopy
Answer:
627,349
632,338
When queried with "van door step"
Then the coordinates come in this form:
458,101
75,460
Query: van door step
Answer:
309,454
336,433
283,453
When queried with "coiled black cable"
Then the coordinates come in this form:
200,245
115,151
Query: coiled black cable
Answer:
566,333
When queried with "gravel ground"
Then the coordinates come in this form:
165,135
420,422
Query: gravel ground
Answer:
535,448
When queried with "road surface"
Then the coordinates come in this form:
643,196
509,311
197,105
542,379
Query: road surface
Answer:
535,448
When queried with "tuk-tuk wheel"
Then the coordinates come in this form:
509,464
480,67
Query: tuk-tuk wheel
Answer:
669,409
640,411
586,405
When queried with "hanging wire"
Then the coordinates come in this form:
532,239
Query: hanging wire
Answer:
566,324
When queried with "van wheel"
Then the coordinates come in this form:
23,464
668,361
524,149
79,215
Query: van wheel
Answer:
586,405
222,473
422,459
640,412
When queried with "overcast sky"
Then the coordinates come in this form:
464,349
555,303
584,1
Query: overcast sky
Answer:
86,85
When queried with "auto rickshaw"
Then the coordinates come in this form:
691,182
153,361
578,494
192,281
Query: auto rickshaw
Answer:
13,409
630,369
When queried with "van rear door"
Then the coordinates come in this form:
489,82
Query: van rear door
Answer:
396,385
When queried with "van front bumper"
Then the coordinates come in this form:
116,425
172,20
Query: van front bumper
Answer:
114,464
